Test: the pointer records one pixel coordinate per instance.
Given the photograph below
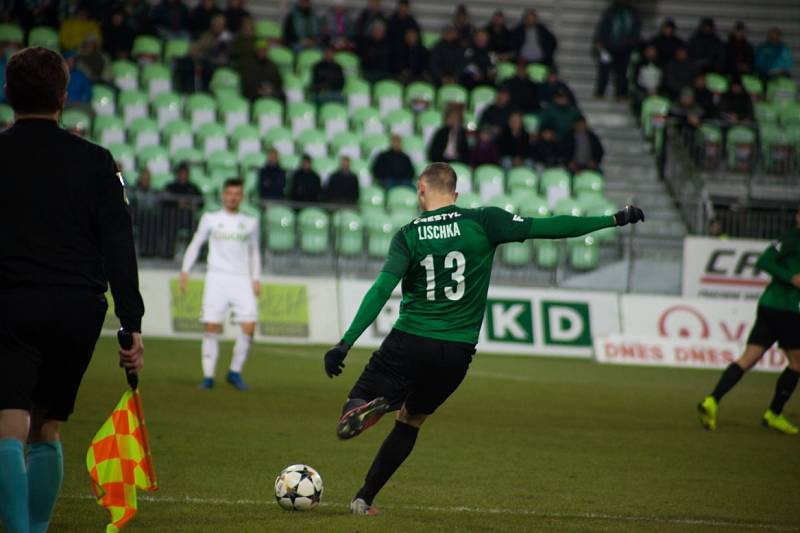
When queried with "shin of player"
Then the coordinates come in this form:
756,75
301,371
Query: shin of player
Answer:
232,280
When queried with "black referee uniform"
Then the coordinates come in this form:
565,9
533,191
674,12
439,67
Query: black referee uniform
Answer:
65,233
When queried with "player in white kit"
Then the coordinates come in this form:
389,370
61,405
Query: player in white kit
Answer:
232,280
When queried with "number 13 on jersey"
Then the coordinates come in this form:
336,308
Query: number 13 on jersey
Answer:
453,261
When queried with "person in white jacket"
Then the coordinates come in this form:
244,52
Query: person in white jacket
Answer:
232,280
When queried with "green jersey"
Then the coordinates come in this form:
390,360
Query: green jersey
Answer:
445,256
782,261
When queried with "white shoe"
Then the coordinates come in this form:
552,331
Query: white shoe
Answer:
359,506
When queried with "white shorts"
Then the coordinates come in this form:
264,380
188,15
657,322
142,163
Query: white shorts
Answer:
223,292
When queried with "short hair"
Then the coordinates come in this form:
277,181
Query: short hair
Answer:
440,177
232,182
36,80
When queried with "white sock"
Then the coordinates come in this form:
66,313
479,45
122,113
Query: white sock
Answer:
240,350
210,353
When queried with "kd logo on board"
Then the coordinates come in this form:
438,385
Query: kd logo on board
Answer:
509,321
566,323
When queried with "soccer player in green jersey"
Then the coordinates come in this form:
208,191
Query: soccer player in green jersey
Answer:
444,259
777,320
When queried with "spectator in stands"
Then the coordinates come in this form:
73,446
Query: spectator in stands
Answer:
514,142
560,116
666,43
368,16
93,62
500,38
546,150
688,114
306,184
411,59
485,151
213,47
376,53
583,149
552,85
677,74
532,40
706,50
494,117
337,28
171,19
243,44
145,210
393,167
118,36
34,13
773,57
463,26
302,28
449,143
261,77
272,178
400,22
522,90
342,185
79,88
739,54
185,199
479,67
201,15
76,29
736,106
447,57
703,97
327,79
137,14
616,36
647,76
235,14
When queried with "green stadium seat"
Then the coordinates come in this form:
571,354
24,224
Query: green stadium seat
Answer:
349,231
346,143
588,181
156,79
428,122
481,97
790,113
200,109
267,114
584,253
754,86
246,140
307,58
371,145
463,177
765,112
533,206
414,147
144,132
367,121
325,166
294,87
380,231
268,29
503,201
469,200
77,121
133,105
225,79
146,45
252,161
350,63
781,90
167,107
360,168
210,138
401,122
429,39
522,179
282,57
716,83
740,147
505,70
176,48
654,112
489,181
554,185
154,158
531,123
159,180
178,135
776,148
281,139
190,155
371,197
402,199
103,100
11,34
108,130
547,253
451,94
357,92
124,156
43,36
289,162
419,93
125,74
222,164
389,96
312,142
234,112
314,230
538,72
401,217
300,116
516,254
280,228
603,209
333,119
568,206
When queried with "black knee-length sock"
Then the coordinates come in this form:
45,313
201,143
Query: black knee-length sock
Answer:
784,388
393,452
730,377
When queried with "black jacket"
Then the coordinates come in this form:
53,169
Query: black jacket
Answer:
438,145
271,182
500,41
548,153
523,94
376,56
446,59
393,165
494,117
547,41
413,62
342,188
739,57
568,148
327,76
306,186
65,218
665,47
511,145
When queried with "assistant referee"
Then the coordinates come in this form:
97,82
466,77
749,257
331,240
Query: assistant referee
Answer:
65,233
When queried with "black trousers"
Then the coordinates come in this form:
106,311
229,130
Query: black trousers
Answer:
619,66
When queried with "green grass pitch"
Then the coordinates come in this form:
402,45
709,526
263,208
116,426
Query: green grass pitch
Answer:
535,444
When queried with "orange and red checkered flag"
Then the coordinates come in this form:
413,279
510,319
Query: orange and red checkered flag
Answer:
119,461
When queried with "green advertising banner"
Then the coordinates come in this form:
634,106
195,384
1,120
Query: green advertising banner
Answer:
283,310
186,308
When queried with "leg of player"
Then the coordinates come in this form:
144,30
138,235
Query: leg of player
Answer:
209,350
730,377
45,470
14,428
240,350
394,450
784,388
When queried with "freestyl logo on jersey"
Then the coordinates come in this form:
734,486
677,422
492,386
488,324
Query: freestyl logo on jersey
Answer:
437,218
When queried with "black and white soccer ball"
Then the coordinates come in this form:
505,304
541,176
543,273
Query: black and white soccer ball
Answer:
298,488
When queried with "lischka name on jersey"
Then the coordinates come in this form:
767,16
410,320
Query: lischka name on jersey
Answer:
446,231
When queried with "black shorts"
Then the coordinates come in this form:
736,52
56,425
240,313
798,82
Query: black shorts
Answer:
416,371
47,337
776,325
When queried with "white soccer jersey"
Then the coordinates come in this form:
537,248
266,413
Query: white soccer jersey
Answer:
232,245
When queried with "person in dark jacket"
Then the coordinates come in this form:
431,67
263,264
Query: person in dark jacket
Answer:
514,142
260,76
736,105
399,23
665,43
235,13
376,53
480,67
704,97
200,17
495,116
582,149
393,167
327,79
118,36
449,143
485,151
677,74
552,85
706,50
560,116
739,53
501,41
272,178
368,16
342,185
447,57
306,184
616,36
546,150
301,28
522,90
533,42
171,19
462,23
411,59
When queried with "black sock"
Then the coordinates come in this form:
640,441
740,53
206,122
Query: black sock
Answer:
729,378
352,403
393,452
784,388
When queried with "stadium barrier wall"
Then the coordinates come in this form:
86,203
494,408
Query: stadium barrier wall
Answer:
723,268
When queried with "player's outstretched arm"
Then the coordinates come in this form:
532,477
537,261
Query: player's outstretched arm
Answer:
769,262
564,227
374,300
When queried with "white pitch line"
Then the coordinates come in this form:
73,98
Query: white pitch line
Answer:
477,510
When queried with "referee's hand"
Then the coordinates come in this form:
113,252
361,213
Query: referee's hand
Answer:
133,359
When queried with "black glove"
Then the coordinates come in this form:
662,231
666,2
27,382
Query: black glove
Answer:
630,214
334,359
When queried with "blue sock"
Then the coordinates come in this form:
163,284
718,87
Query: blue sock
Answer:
13,487
45,473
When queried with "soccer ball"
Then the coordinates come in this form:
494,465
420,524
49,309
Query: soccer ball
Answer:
298,488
